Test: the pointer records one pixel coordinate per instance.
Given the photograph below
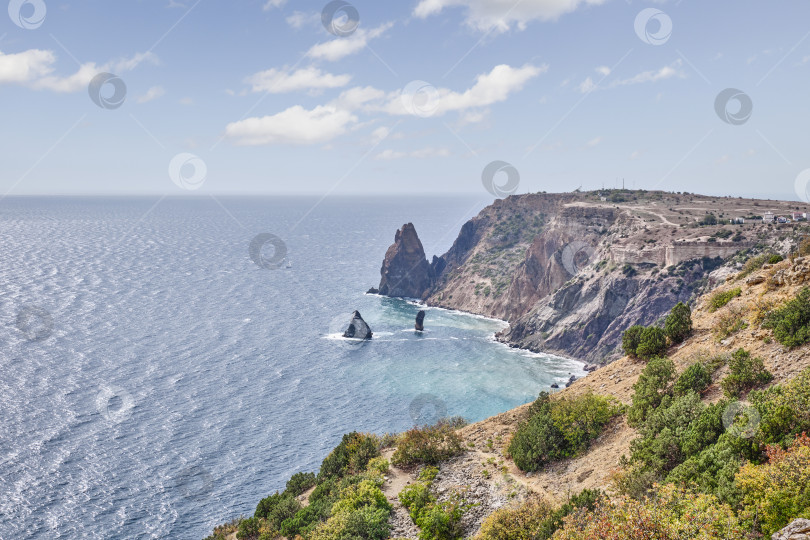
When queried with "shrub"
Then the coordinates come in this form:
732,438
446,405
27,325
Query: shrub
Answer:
378,465
251,528
712,470
672,514
678,324
753,264
299,483
773,259
534,519
650,388
784,410
696,378
276,508
721,298
442,520
350,457
791,323
631,339
361,512
778,492
560,429
745,373
729,323
427,445
653,343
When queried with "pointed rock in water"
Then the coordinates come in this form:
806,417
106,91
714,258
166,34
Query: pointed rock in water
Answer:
420,321
358,329
406,272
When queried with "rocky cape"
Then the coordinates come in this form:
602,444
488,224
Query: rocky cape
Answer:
570,272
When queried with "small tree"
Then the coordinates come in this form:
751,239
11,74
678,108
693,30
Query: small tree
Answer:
678,325
653,343
631,338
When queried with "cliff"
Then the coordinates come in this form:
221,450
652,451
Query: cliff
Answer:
570,272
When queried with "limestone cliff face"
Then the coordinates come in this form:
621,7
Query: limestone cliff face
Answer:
405,272
570,272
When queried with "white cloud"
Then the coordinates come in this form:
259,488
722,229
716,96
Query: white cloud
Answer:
153,93
587,86
666,72
270,4
35,67
355,98
344,46
422,153
276,81
594,142
25,67
603,70
300,19
380,134
492,87
501,15
295,125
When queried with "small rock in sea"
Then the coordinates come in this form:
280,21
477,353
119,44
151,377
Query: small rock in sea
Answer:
358,329
420,321
555,386
373,290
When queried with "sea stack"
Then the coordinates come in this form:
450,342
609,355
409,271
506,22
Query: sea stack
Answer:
358,329
420,321
406,272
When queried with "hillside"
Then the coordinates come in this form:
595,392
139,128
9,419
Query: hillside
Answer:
481,472
570,272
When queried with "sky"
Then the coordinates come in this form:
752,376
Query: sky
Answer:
187,97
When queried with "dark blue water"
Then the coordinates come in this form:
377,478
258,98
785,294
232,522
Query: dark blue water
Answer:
156,381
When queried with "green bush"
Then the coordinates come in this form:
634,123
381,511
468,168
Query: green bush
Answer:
653,343
745,373
560,429
299,483
650,388
427,446
721,298
775,259
753,264
442,520
251,528
350,457
791,323
276,508
696,378
678,324
631,339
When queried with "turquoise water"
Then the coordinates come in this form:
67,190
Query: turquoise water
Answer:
157,382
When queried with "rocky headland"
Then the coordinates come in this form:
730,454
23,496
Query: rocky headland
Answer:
570,272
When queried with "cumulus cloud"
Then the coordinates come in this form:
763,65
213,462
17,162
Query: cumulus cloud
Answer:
345,46
501,15
151,94
279,81
489,88
295,125
35,68
270,4
300,19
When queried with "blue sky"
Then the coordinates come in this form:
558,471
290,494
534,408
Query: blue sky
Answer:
567,91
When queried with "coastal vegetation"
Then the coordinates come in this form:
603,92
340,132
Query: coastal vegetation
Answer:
791,323
721,298
560,428
437,520
428,445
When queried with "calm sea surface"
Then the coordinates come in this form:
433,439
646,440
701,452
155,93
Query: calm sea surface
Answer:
154,381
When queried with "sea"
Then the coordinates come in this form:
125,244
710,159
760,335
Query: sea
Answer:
167,362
